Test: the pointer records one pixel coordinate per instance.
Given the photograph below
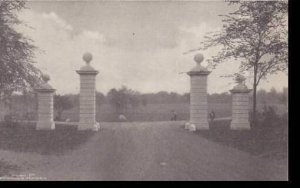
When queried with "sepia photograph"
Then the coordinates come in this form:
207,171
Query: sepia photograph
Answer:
144,90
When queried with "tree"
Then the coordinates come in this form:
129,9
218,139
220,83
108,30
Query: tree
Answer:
262,96
134,100
144,100
62,103
100,98
17,72
284,96
122,98
256,34
186,97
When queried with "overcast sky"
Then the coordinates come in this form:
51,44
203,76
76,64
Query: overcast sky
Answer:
137,44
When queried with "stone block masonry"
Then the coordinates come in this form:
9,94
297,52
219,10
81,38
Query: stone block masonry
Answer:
198,94
240,105
45,105
87,97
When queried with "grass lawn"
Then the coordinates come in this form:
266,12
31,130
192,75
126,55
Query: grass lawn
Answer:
7,169
24,138
268,141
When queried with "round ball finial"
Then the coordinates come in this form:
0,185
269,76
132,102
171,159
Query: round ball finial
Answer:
87,57
46,77
240,78
198,58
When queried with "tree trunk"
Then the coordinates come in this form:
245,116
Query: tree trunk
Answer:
254,97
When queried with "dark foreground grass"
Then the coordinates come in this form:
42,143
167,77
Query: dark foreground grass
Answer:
265,141
24,138
7,169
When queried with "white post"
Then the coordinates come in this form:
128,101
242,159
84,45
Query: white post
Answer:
198,94
240,105
45,105
88,95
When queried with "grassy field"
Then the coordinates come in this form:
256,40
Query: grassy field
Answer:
149,112
269,139
24,138
158,112
7,169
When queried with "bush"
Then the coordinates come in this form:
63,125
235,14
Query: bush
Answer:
10,120
29,116
268,118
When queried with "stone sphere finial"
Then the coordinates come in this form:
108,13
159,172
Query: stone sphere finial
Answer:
240,78
87,57
46,77
198,58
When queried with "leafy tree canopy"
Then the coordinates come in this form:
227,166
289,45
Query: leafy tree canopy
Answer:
17,73
256,34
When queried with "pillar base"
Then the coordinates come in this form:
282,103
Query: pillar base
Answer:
89,126
45,126
187,125
240,126
192,128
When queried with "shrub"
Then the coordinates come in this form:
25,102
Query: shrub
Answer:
10,120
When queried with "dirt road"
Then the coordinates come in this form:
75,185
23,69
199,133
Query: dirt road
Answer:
149,151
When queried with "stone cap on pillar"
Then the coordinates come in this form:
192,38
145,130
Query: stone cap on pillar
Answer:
87,69
198,69
241,87
45,87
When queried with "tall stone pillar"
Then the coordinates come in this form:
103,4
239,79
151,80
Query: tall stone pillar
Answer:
198,94
45,105
240,105
88,95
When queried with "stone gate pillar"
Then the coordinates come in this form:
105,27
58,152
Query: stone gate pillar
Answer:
240,105
198,94
45,105
87,95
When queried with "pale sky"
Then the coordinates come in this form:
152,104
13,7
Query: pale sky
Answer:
137,44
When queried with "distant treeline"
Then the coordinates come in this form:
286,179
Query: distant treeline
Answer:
125,96
125,100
